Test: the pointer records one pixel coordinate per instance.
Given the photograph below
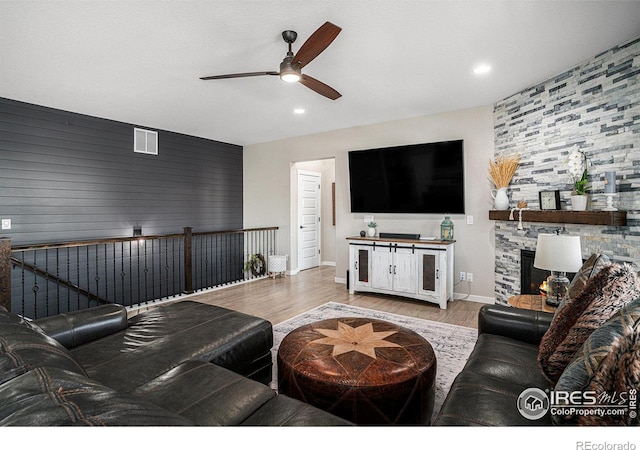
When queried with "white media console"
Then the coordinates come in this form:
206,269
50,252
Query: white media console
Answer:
413,268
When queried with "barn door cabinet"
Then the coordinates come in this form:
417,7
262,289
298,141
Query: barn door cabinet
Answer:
418,269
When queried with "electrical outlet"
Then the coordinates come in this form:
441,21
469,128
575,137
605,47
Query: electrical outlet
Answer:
6,224
462,276
368,219
469,220
469,277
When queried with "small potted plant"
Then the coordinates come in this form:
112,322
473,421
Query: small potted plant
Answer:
578,171
372,228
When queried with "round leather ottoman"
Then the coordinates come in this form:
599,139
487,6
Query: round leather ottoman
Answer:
367,371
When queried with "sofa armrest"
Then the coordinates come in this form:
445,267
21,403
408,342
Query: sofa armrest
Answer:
521,324
79,327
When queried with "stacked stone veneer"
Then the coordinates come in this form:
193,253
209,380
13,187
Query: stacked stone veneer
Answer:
596,107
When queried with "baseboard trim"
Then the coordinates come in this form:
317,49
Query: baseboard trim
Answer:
328,263
340,280
474,298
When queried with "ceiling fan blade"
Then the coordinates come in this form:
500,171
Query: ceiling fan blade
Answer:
239,75
319,87
316,44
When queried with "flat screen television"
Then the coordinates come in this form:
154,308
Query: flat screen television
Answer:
421,178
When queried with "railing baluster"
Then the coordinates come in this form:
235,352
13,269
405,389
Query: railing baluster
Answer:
46,281
80,273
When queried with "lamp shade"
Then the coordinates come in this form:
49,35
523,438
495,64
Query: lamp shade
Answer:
558,252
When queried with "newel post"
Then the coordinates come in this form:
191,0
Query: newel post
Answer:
188,270
5,273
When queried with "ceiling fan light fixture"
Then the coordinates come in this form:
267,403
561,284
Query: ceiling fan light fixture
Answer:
288,73
290,77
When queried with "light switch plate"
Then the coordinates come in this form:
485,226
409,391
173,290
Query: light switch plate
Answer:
6,224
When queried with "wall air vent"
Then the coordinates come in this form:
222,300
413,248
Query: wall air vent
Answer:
145,141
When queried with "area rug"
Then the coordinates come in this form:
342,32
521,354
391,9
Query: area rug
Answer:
452,344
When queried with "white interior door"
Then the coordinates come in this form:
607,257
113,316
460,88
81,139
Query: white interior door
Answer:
308,219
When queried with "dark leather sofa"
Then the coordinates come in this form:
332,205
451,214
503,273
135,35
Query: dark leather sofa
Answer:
185,363
502,364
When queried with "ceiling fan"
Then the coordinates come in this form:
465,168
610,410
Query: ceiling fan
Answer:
291,65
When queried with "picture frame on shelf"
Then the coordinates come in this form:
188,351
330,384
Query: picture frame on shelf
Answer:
549,200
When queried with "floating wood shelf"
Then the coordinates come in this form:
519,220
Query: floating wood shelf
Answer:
606,218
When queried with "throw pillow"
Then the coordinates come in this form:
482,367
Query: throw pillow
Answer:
609,365
604,294
591,266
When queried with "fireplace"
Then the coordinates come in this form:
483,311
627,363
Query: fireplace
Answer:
531,277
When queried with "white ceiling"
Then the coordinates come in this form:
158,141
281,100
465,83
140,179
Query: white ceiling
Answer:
140,61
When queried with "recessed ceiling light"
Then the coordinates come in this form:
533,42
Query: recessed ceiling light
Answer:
482,69
299,111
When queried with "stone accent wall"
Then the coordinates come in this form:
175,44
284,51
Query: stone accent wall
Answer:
596,107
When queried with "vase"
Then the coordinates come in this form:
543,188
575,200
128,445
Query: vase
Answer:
372,231
579,202
500,198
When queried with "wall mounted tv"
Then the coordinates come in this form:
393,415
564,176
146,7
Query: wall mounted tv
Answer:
421,178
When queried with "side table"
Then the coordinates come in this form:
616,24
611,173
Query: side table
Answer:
533,302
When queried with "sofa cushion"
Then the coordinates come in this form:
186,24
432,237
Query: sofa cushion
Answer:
206,394
608,364
486,392
604,294
286,411
55,397
166,336
24,347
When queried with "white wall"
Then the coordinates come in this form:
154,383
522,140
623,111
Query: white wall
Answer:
267,188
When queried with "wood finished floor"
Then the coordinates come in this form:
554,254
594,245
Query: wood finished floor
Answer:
283,298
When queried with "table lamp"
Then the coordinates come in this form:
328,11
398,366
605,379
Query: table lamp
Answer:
560,254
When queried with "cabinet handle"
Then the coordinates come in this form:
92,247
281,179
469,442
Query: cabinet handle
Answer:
389,269
356,265
438,274
394,270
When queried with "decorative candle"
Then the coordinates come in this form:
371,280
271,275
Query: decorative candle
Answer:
610,182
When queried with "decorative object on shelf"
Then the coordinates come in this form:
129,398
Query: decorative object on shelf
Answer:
522,204
501,172
549,200
363,233
579,202
559,253
446,229
372,228
610,189
578,170
256,265
500,198
520,227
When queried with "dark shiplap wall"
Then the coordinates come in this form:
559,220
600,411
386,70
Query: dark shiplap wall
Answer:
66,176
